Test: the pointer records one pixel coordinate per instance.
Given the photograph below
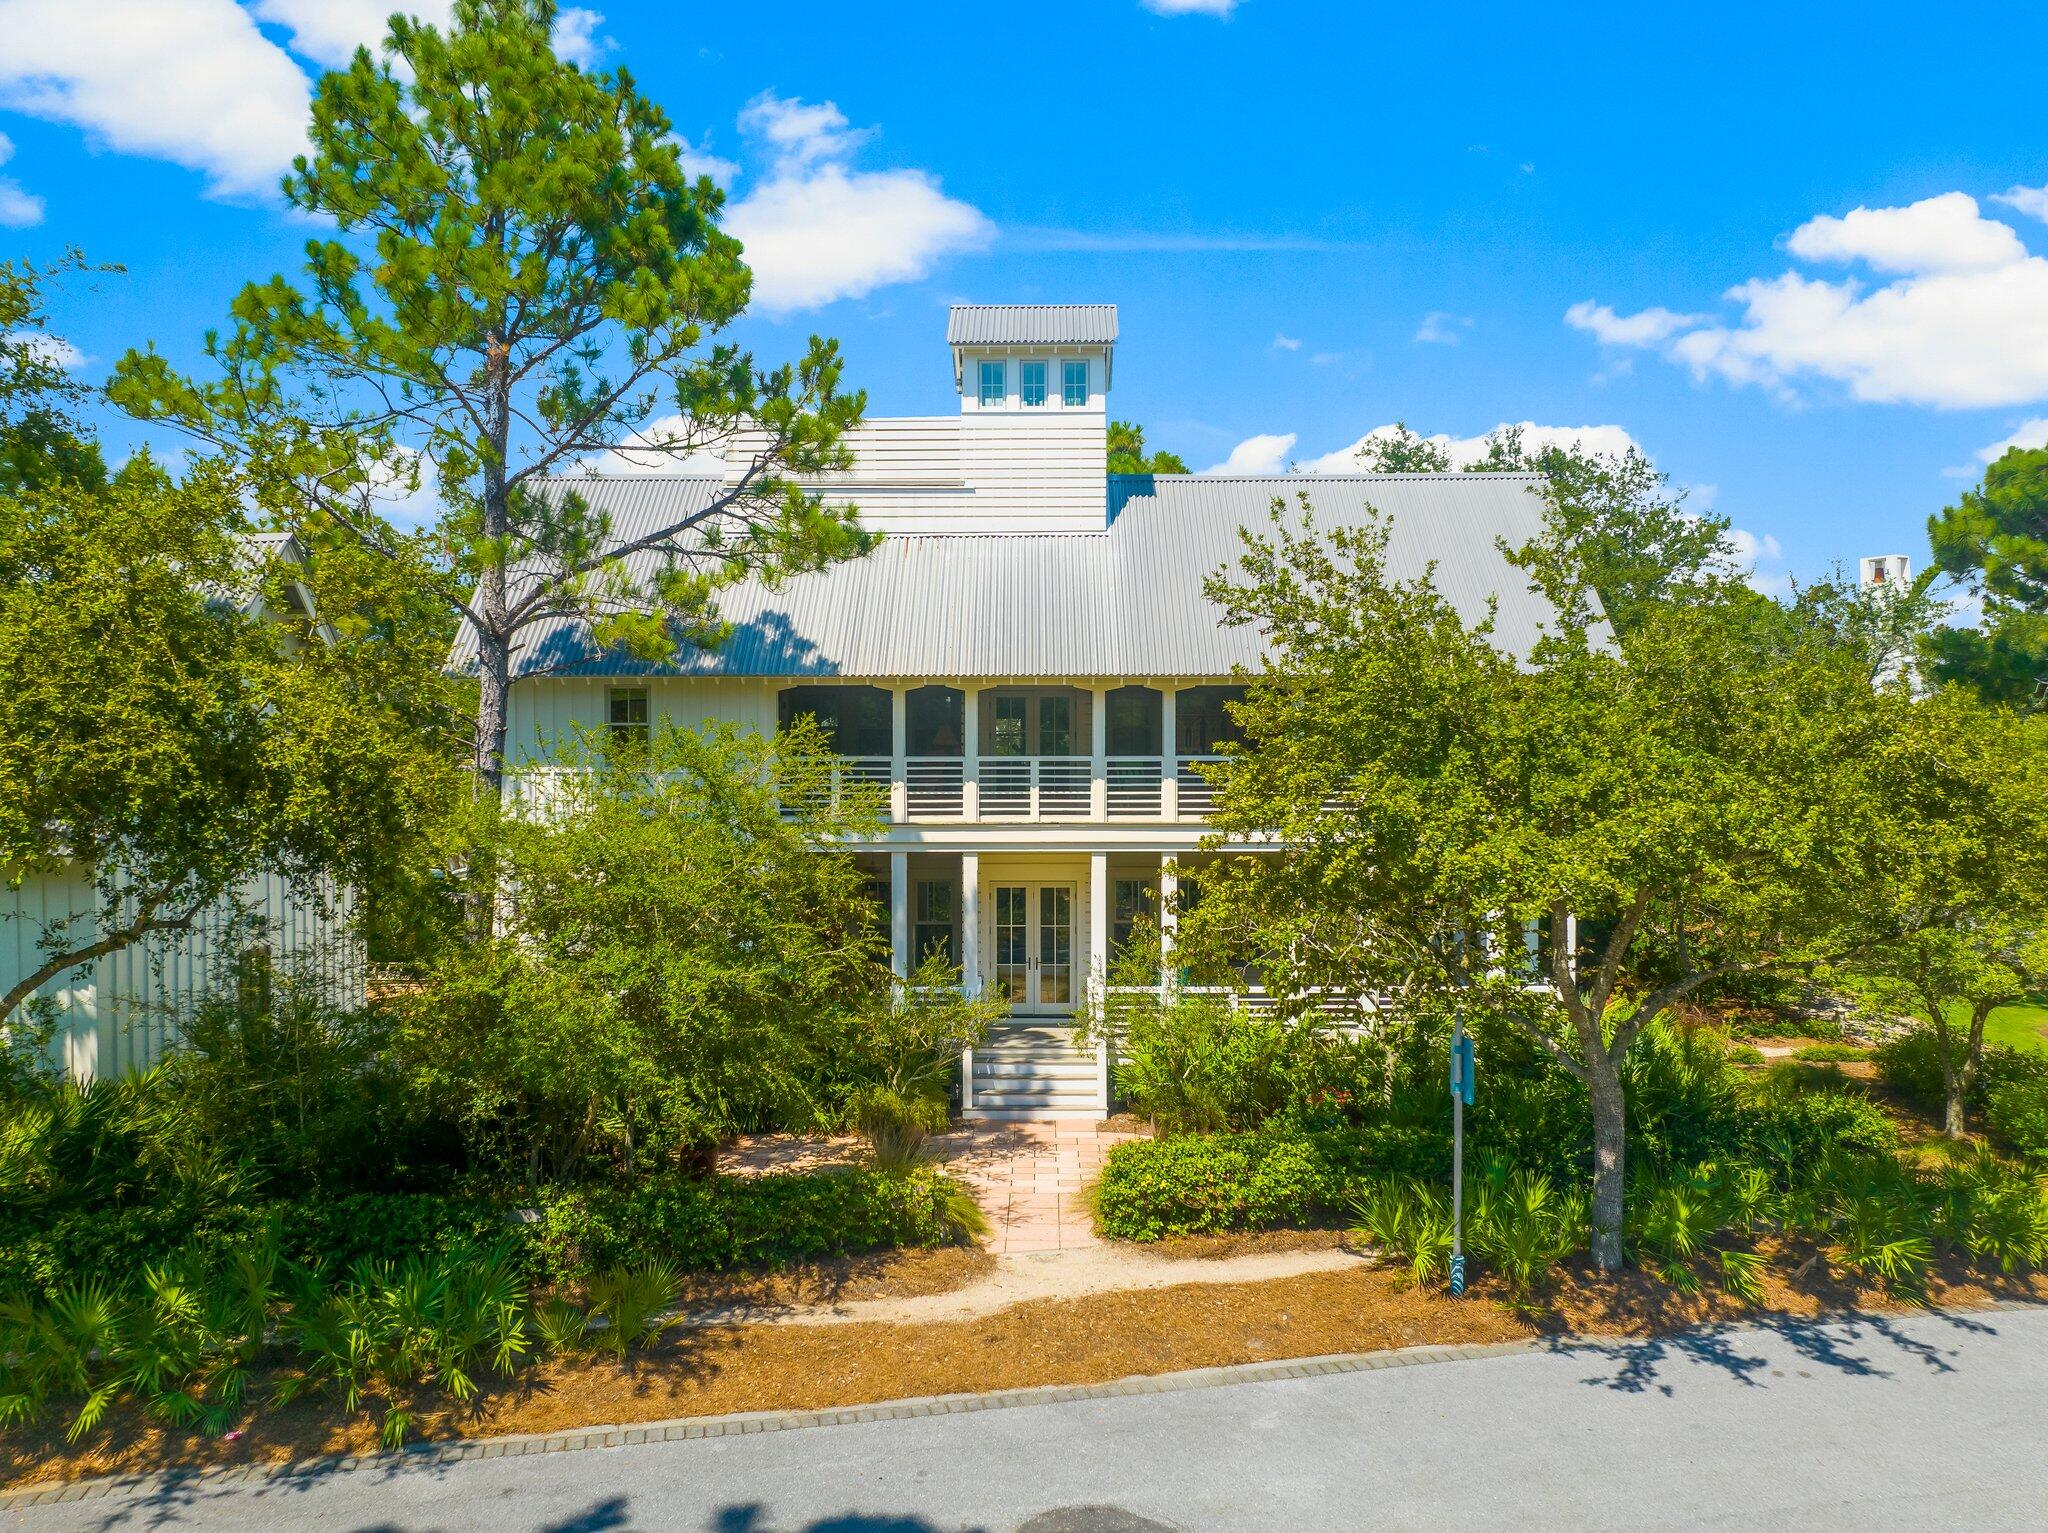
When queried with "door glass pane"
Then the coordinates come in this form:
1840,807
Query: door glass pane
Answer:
1056,725
1055,947
1007,738
1012,934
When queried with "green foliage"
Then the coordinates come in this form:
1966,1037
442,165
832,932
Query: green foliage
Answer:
633,1302
2016,1111
1198,1184
1991,540
1702,1215
717,1223
1192,1065
1521,1225
1910,1064
1830,1053
896,1125
1409,1219
1127,453
688,955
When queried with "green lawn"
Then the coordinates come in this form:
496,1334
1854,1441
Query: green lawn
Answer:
2016,1027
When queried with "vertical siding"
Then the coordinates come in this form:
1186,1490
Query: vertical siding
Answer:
121,1013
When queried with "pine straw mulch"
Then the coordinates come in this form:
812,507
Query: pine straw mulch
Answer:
719,1369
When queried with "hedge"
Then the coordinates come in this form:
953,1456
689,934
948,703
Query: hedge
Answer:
756,1221
699,1225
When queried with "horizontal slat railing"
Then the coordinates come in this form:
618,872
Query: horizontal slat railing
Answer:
1035,787
935,787
1135,784
1197,795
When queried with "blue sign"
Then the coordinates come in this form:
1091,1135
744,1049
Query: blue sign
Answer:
1464,1069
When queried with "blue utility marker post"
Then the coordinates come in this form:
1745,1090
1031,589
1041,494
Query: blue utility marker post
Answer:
1462,1073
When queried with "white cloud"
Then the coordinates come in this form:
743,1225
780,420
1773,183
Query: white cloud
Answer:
2030,200
1257,455
1944,233
818,230
190,81
701,162
329,31
1643,329
1964,325
1465,451
1441,329
2031,435
576,36
1286,343
1190,7
651,451
53,349
18,208
800,133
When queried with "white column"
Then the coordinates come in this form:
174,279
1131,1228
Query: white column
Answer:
899,732
1169,725
1098,751
1169,918
1098,959
970,958
970,748
899,913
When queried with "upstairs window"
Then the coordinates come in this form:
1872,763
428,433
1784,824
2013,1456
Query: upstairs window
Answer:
1031,382
1073,384
628,716
993,384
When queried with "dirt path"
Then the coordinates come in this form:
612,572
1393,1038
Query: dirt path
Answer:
1021,1278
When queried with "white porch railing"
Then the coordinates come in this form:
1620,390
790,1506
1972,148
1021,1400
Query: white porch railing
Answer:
1197,794
935,787
1036,787
1135,787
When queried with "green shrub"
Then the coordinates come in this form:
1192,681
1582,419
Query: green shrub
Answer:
721,1222
1745,1054
2017,1113
1830,1053
1195,1066
1204,1184
1910,1065
1790,1134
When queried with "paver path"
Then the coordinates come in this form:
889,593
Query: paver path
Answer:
1029,1178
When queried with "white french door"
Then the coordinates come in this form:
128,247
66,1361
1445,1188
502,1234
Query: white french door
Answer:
1032,947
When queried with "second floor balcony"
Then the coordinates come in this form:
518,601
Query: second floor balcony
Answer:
1023,754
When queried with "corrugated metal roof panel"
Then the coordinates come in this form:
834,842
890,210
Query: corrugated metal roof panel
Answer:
1127,601
1031,324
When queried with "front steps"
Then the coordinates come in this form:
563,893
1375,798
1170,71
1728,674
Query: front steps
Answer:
1033,1071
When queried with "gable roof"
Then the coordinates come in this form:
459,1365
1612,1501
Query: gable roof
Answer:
1031,324
1124,602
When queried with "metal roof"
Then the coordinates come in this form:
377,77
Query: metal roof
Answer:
1126,601
1031,324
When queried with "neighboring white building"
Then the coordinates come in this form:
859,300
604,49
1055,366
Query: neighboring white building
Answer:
119,1013
1893,570
1027,662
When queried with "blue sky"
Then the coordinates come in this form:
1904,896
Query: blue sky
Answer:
1766,243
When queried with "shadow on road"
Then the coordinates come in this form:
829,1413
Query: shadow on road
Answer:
1858,1345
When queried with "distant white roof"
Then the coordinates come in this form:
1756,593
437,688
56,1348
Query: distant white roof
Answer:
1031,324
1125,602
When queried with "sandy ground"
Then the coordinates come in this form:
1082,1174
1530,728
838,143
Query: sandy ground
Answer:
1027,1277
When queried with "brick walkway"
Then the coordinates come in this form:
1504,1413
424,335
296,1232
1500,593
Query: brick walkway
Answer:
1027,1177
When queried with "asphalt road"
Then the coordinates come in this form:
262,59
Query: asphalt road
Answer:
1931,1421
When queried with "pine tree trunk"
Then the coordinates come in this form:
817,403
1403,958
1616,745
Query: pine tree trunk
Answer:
1610,1149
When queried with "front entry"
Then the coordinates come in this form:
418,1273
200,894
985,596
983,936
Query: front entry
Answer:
1033,947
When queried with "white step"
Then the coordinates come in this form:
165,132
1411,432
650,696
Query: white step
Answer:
1039,1069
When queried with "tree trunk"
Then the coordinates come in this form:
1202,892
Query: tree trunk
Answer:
1610,1150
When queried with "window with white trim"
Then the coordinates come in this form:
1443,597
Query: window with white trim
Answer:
1073,384
1031,382
628,715
993,384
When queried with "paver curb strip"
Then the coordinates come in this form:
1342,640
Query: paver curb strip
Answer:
746,1422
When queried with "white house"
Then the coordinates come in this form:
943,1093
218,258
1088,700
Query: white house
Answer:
1027,661
120,1012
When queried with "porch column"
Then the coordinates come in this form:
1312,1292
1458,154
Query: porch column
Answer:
899,914
1169,763
1098,954
970,958
1169,919
1098,752
970,753
899,733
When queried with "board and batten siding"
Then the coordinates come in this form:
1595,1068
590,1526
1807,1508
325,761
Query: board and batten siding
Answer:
120,1013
